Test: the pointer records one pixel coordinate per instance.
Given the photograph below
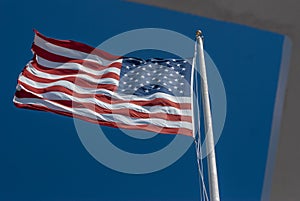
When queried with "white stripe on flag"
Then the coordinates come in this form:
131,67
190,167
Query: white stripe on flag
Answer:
105,117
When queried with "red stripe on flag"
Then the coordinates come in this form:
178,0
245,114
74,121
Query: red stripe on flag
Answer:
147,127
101,110
107,99
55,71
62,59
78,46
79,81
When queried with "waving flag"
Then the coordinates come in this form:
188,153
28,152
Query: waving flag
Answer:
74,79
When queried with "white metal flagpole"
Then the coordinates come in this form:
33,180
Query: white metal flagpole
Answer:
211,157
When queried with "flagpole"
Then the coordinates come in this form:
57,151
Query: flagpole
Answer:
211,157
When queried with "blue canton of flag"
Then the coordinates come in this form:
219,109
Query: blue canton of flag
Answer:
145,77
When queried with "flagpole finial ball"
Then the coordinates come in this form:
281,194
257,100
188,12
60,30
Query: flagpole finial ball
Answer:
199,33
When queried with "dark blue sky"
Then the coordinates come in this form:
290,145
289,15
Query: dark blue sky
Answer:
41,155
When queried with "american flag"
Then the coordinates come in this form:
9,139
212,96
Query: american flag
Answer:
73,79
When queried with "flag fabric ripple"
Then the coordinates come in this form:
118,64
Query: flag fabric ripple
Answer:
73,79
